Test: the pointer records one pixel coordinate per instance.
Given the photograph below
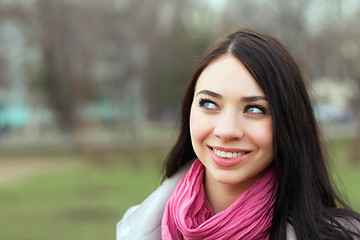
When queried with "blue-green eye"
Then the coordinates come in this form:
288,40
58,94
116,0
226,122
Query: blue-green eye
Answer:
207,104
255,109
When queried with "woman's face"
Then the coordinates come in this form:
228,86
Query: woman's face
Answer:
231,125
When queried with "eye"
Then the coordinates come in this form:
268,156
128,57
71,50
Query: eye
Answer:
255,109
207,104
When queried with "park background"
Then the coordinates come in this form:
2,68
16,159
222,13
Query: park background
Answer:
90,93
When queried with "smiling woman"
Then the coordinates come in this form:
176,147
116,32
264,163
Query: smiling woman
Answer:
248,163
231,130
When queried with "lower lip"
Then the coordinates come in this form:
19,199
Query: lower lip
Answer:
227,162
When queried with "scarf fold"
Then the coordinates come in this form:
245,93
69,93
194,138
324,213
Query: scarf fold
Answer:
188,214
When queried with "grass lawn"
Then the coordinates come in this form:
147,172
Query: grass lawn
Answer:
84,200
346,175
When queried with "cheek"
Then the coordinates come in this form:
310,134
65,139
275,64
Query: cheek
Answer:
199,126
262,135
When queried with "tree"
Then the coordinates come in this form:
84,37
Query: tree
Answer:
67,57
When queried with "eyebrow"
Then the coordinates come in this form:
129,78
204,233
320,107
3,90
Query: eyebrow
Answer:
244,99
253,98
210,93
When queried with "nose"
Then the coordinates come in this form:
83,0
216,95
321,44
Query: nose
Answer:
228,127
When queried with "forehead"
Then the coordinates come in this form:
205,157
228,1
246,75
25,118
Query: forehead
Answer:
228,76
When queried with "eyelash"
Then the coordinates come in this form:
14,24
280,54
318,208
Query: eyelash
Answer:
203,101
254,105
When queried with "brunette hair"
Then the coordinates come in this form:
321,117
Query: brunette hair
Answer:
305,196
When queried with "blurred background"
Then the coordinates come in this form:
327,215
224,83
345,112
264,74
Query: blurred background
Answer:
90,94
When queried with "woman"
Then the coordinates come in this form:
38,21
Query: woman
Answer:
259,171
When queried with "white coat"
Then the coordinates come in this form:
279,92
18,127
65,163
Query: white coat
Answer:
143,222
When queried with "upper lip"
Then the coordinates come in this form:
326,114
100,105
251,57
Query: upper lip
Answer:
229,149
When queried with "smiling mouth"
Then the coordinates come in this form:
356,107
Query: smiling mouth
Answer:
225,154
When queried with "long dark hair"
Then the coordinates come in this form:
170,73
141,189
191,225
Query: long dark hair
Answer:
305,196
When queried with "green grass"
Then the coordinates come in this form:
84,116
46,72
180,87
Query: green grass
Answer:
348,181
86,199
346,174
83,202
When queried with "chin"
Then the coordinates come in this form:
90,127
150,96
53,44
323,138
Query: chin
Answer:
226,177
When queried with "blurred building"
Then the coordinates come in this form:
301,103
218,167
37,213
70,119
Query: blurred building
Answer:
334,98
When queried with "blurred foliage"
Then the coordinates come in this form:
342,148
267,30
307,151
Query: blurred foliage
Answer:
76,53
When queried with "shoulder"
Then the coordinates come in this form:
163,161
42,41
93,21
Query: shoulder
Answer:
144,220
350,224
290,233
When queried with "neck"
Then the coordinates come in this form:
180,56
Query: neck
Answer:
219,199
223,195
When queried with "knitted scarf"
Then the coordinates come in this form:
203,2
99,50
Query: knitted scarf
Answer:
188,214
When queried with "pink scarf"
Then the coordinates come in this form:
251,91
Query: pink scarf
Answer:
188,214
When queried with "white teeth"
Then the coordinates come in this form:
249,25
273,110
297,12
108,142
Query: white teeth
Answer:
227,154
